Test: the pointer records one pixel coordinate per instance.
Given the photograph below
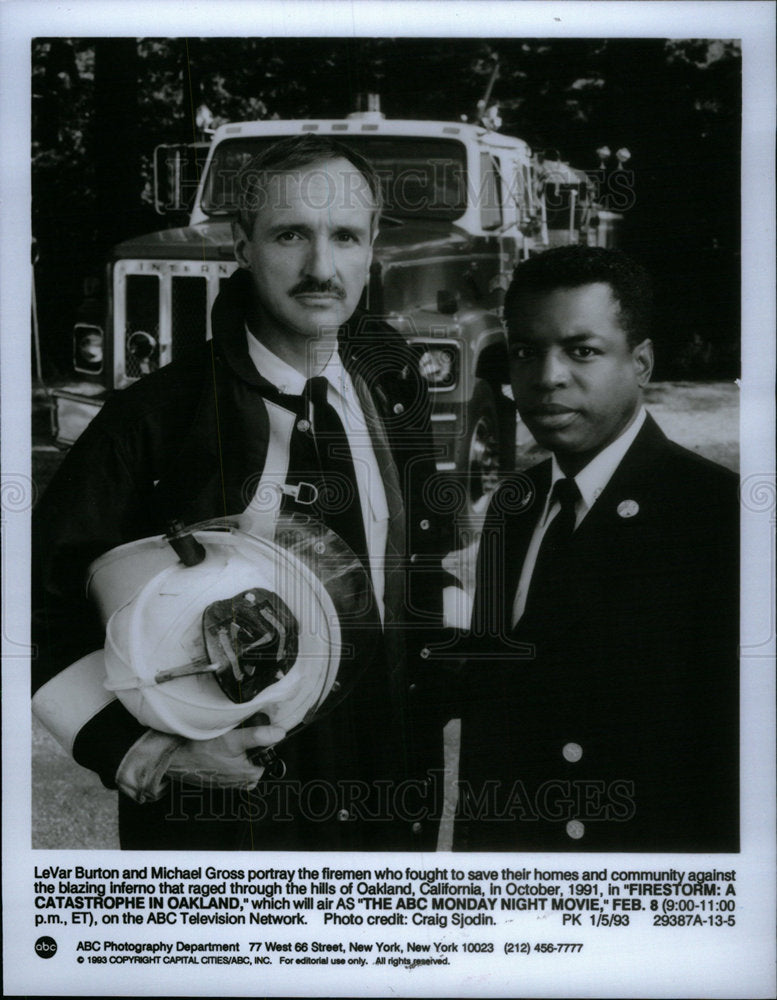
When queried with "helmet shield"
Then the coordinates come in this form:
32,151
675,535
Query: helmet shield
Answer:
253,639
277,629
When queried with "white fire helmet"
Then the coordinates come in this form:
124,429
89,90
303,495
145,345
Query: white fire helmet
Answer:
210,626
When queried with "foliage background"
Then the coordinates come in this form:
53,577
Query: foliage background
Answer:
100,106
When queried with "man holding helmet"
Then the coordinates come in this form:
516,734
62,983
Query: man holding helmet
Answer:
302,397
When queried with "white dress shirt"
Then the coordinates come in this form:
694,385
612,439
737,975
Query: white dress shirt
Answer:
343,397
591,482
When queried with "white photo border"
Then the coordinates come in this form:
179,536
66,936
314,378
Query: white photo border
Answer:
740,964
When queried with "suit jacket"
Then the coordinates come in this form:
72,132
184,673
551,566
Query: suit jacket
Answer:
188,442
607,719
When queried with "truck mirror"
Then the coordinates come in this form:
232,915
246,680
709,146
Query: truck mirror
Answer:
447,302
177,171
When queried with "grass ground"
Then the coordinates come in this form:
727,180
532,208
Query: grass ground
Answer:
703,417
70,807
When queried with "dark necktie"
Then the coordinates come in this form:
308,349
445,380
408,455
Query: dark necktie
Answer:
551,566
338,503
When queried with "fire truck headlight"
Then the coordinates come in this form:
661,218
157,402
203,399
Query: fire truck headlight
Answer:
88,348
438,366
142,345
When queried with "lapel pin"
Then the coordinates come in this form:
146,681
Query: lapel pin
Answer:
628,508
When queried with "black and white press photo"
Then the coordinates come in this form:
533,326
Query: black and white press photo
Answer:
184,392
388,498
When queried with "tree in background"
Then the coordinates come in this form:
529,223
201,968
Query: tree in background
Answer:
100,106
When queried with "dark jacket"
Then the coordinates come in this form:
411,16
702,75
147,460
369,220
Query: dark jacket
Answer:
184,443
613,706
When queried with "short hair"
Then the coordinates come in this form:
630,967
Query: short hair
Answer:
292,153
576,265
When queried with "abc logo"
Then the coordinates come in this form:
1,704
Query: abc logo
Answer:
45,947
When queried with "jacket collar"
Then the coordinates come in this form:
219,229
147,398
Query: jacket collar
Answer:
636,473
593,478
638,468
633,480
633,483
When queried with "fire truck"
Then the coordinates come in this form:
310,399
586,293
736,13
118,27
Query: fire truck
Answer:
463,204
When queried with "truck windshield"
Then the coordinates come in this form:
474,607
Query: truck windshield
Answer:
421,178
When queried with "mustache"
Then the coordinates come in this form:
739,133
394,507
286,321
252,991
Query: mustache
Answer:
310,286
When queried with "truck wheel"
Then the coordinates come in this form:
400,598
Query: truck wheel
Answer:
488,449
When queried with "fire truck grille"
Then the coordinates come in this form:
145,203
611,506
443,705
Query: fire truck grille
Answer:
189,315
141,324
162,312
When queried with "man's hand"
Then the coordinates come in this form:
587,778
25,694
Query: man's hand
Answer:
223,761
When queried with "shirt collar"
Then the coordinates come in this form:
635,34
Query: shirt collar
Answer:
592,479
285,378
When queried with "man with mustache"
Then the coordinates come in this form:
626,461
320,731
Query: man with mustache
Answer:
601,705
290,348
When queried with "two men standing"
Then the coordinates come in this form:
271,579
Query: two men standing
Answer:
290,354
599,703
